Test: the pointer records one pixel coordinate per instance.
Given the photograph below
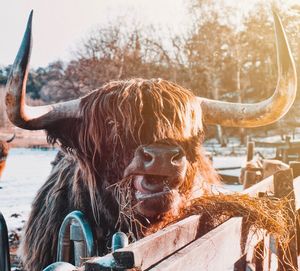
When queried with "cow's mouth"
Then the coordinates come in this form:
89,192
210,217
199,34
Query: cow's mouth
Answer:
151,186
155,194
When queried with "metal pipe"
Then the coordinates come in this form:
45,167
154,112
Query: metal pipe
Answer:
75,233
60,266
4,247
119,240
107,262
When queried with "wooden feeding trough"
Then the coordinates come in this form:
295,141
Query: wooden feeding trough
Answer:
229,175
187,246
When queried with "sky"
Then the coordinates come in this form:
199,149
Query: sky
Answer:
60,25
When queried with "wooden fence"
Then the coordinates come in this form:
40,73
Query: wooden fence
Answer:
286,150
230,246
188,245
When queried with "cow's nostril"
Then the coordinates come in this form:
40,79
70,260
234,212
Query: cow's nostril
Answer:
147,157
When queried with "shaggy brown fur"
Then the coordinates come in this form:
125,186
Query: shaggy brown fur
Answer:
116,119
4,149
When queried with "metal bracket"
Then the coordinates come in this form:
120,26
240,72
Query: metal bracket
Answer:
4,247
75,234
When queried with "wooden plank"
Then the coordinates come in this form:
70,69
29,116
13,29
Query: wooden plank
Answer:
295,166
283,187
217,250
281,145
250,150
269,254
144,253
269,144
159,245
229,178
250,179
265,186
297,192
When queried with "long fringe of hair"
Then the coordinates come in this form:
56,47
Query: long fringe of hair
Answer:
125,114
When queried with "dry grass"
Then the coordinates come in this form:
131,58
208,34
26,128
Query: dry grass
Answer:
274,215
127,212
261,213
270,214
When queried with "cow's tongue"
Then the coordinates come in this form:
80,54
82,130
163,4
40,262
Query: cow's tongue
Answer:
149,184
138,185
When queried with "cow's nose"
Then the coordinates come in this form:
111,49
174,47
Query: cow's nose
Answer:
170,155
161,159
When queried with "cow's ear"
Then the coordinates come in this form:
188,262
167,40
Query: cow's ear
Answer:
65,133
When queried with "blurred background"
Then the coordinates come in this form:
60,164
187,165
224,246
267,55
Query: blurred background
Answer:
219,49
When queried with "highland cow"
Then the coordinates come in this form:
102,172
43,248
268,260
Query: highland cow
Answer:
132,150
4,149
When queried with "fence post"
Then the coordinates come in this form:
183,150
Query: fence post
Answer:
4,247
295,166
250,178
285,157
283,187
250,150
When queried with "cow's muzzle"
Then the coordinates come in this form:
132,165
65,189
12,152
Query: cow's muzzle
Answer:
157,170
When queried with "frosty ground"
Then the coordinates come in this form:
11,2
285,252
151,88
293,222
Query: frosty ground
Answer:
26,171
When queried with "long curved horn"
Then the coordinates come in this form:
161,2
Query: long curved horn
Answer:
267,111
22,115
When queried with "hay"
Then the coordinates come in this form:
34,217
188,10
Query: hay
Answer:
127,209
275,216
270,214
266,213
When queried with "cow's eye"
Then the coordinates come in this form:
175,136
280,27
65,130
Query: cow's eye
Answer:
147,157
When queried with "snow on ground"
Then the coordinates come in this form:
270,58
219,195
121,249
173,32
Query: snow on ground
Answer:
26,171
228,161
